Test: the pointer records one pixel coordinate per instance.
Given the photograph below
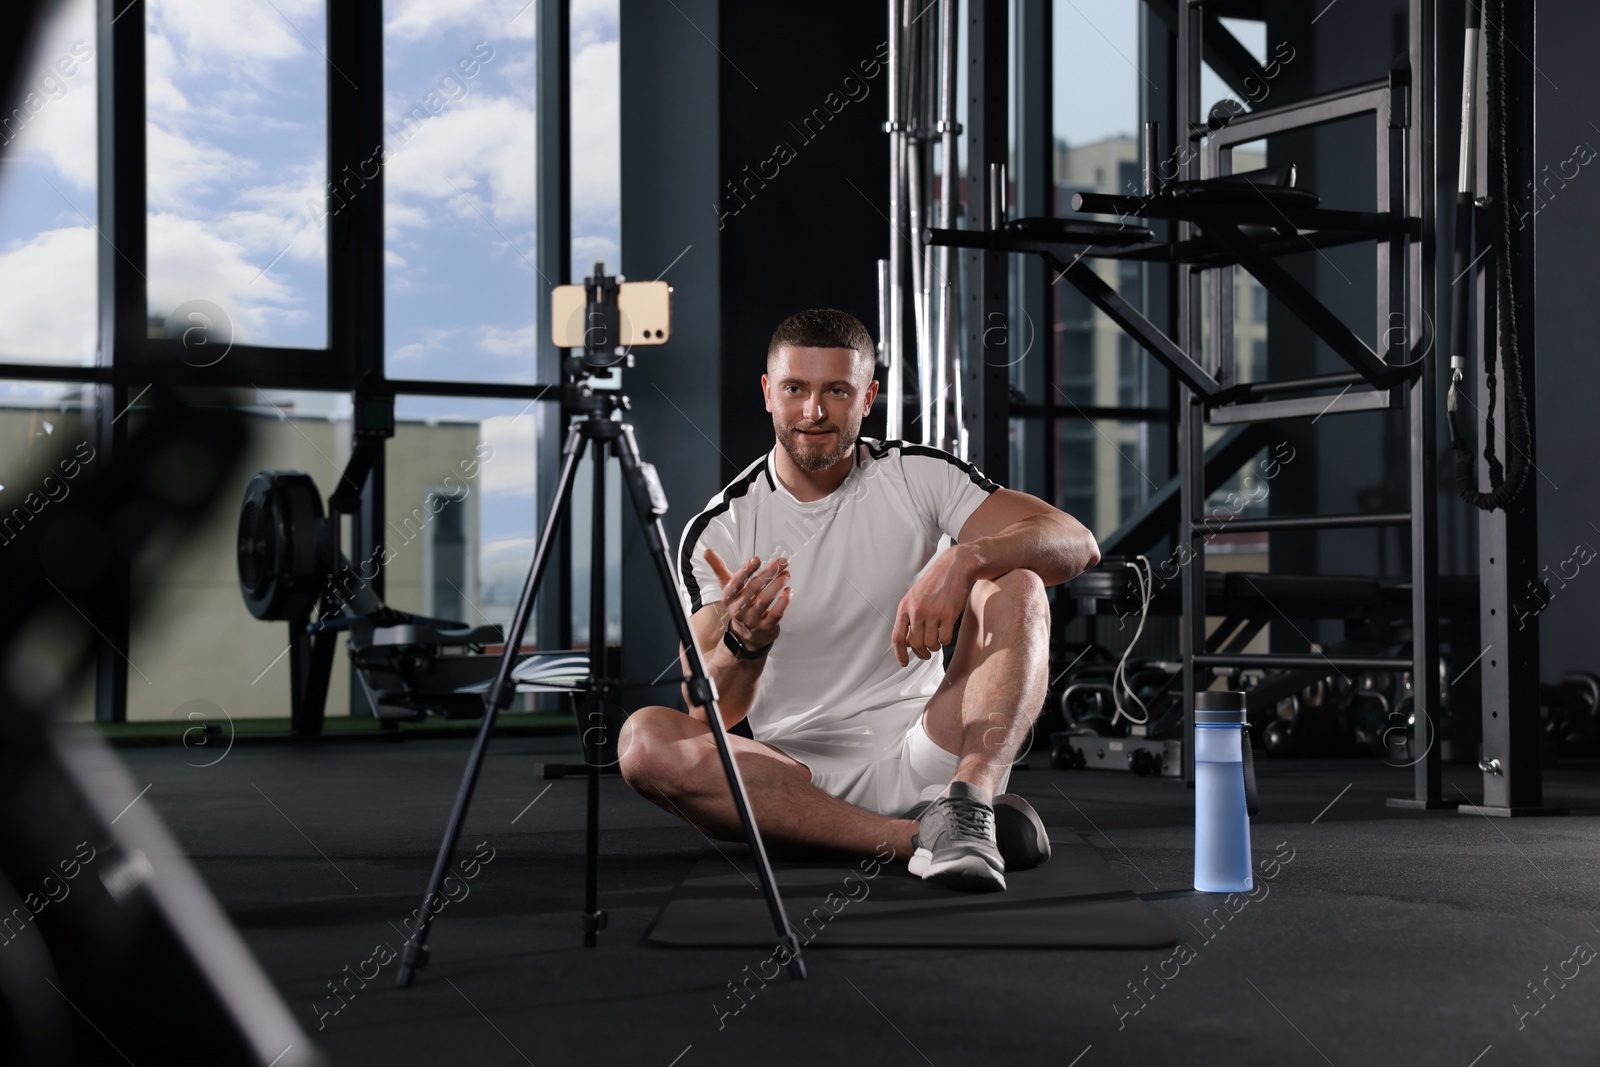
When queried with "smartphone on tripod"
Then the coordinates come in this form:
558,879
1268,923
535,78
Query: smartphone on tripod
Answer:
642,310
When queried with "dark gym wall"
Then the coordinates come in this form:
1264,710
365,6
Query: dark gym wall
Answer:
811,88
669,87
1567,228
743,129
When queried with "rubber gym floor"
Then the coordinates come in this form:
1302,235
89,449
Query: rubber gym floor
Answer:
1387,937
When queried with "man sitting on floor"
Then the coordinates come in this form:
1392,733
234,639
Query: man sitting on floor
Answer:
837,583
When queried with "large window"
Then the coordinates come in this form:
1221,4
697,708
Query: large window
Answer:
596,174
1105,84
462,287
236,147
1099,78
465,295
194,640
239,205
48,245
1102,473
596,165
461,545
465,298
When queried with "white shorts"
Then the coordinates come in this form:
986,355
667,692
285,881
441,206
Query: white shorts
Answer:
889,780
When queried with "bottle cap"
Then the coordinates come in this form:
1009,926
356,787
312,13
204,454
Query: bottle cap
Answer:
1219,707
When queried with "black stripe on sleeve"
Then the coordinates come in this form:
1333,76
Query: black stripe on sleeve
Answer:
881,449
697,526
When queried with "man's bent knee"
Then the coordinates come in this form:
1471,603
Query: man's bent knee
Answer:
650,751
1016,597
1022,582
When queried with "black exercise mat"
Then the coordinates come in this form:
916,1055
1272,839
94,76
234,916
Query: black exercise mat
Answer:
1073,901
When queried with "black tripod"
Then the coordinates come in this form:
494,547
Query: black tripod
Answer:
610,437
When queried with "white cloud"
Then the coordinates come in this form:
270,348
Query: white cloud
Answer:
161,93
589,250
181,170
499,341
513,437
61,135
596,128
190,261
414,19
592,20
241,35
503,566
272,217
220,255
399,216
519,72
479,140
433,342
48,305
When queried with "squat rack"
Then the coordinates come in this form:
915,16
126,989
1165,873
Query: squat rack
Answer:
1401,372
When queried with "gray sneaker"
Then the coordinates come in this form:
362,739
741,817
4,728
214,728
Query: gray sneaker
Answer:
955,842
1019,833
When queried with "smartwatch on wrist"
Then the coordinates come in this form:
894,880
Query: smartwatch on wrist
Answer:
738,647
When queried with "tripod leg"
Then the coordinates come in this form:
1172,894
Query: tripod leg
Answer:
594,920
649,505
415,955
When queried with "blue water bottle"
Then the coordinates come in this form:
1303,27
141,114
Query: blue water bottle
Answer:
1221,823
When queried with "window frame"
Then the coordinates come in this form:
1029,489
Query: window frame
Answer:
127,360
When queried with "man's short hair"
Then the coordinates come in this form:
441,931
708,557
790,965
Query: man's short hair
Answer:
825,328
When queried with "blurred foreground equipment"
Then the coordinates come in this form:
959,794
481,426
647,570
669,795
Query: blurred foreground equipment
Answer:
113,949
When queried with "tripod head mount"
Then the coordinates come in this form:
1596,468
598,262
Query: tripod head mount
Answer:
602,325
596,404
602,348
601,351
600,322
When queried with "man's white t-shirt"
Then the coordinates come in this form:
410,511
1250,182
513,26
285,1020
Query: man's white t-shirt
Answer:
831,693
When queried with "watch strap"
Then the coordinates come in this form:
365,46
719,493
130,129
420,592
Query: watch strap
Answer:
738,647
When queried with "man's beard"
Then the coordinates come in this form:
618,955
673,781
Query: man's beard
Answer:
811,460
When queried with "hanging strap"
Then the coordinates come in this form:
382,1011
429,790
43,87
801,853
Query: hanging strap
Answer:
1505,483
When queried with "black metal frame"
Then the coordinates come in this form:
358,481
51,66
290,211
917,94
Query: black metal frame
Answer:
1210,238
1207,238
1034,185
353,358
1403,227
987,283
122,224
1508,540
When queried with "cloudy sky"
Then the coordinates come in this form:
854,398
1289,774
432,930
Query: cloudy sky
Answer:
1098,69
237,102
237,99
